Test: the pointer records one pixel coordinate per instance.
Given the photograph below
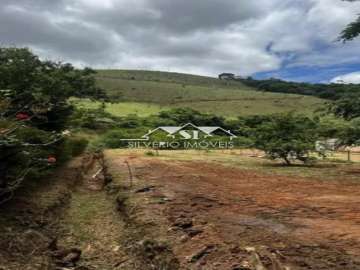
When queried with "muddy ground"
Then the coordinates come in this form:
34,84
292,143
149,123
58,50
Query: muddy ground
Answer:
189,214
215,216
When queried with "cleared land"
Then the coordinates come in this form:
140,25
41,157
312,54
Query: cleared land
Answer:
150,91
216,214
193,210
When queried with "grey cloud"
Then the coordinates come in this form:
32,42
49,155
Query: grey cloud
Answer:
73,39
204,14
39,5
204,36
177,16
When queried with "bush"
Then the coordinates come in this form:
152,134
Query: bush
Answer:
97,119
112,139
69,148
131,121
79,145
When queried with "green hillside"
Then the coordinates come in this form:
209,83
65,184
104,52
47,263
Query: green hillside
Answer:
146,92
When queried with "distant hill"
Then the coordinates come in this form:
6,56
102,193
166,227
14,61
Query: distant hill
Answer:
150,91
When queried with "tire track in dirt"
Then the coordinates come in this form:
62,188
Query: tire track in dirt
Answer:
98,222
70,222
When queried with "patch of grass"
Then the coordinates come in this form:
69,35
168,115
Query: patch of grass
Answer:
123,108
255,106
88,214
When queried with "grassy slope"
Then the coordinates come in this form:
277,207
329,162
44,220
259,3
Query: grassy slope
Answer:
148,92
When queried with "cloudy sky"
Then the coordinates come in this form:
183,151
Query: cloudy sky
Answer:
288,39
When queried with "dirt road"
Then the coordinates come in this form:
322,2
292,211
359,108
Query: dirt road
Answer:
218,217
189,214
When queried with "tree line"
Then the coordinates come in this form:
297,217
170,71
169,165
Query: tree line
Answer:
325,91
285,136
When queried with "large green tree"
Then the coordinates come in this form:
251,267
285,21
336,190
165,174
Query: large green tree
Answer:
348,108
34,112
288,137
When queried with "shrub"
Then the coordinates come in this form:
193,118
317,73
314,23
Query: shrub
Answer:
131,121
113,138
96,119
79,145
69,148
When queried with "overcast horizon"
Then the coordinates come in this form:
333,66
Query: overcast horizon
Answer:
288,39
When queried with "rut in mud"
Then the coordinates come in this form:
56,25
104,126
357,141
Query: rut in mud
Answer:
99,222
75,221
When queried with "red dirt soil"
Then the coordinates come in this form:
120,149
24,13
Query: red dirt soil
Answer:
308,224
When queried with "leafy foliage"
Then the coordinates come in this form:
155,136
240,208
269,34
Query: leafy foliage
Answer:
351,31
351,134
34,110
41,88
287,137
347,107
96,119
